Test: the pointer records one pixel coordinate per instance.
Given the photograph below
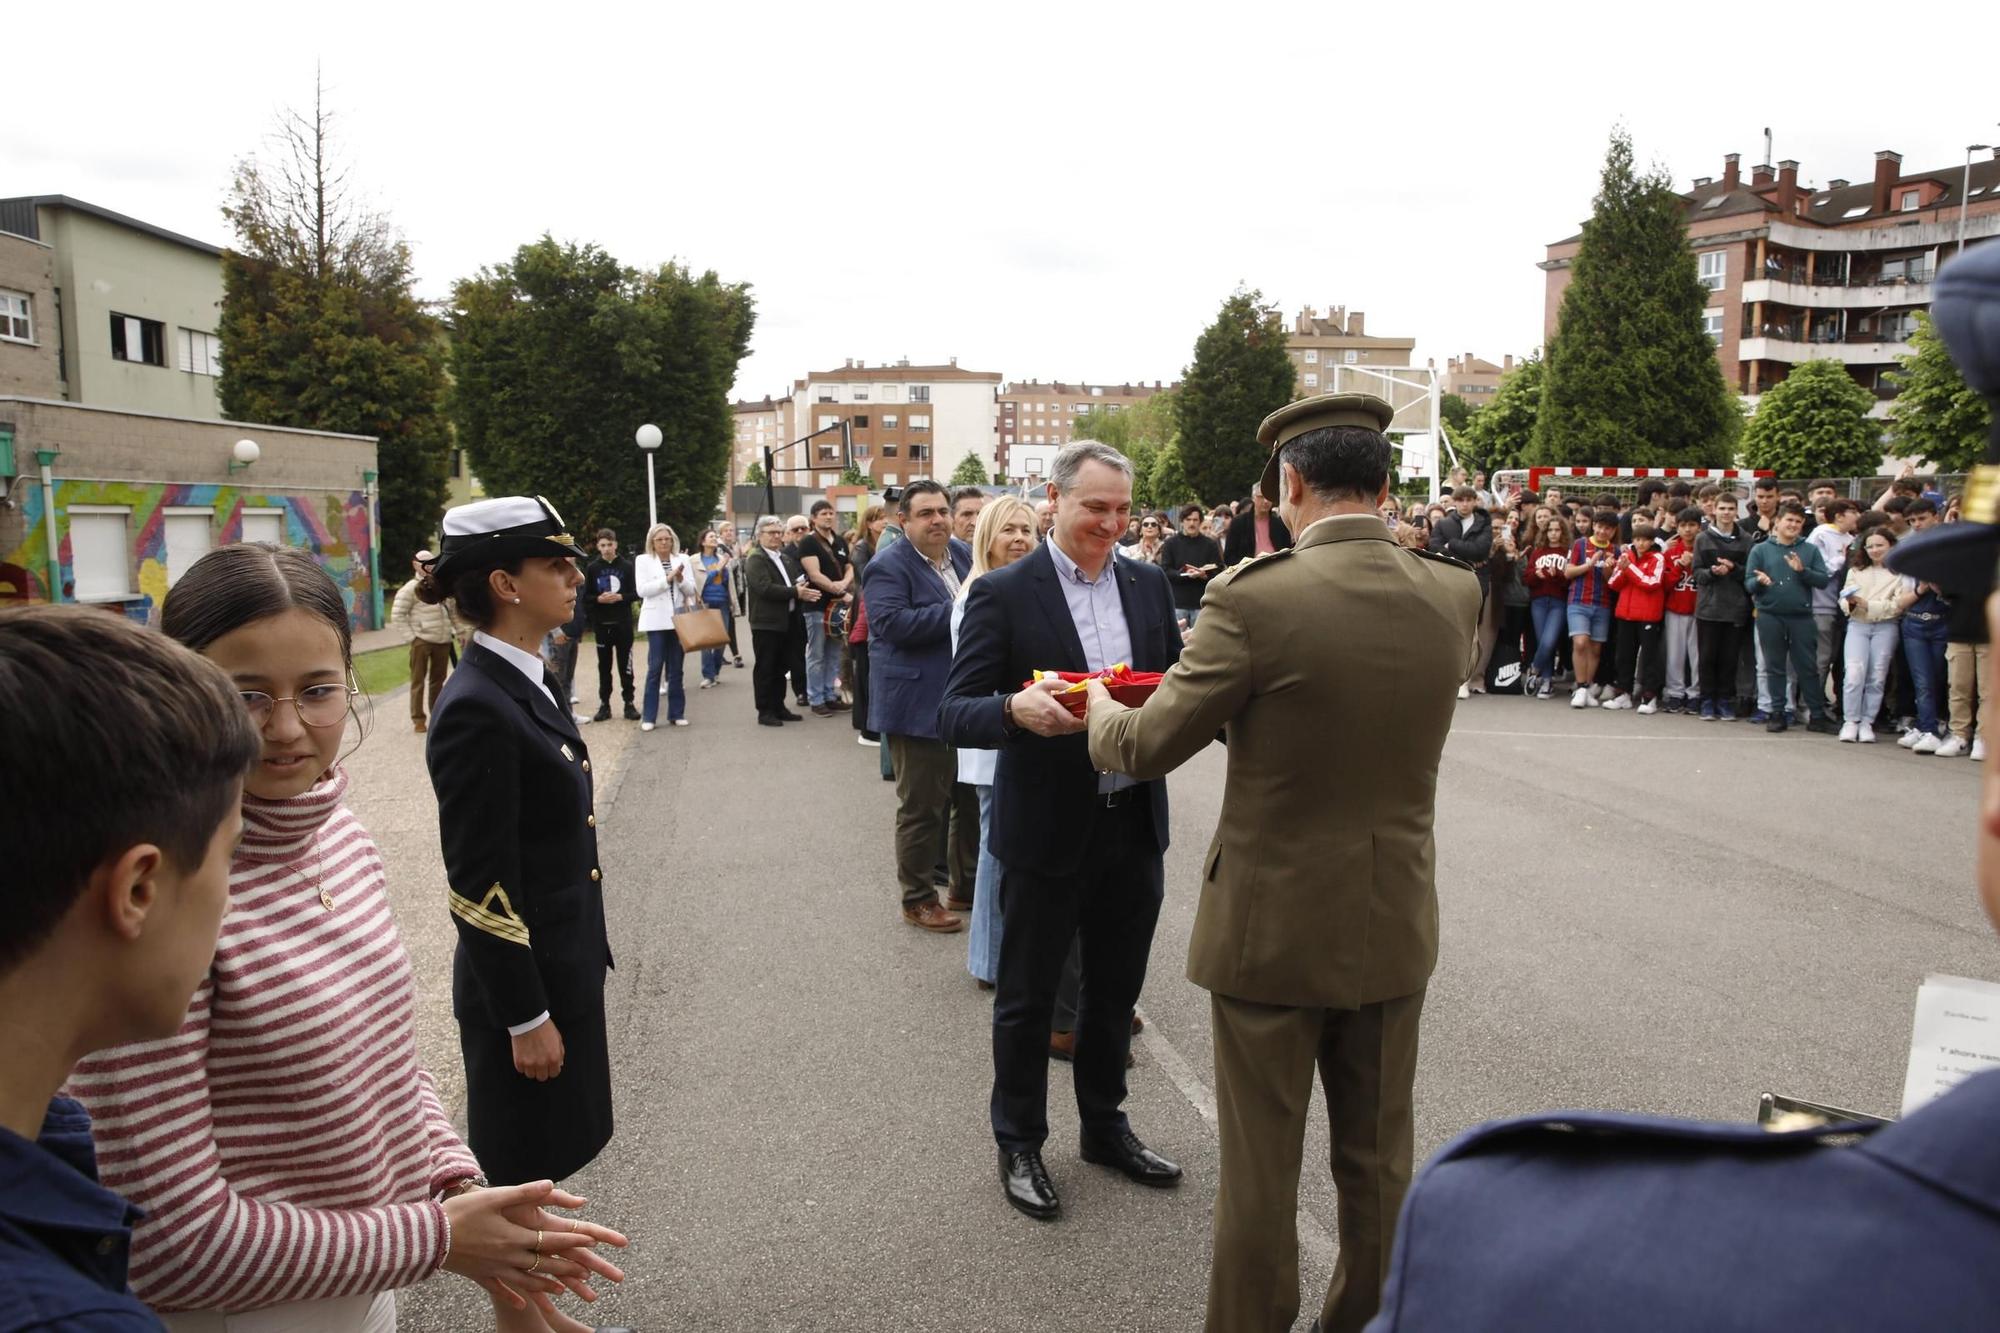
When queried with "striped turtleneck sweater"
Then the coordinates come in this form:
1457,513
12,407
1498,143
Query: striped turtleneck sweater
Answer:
285,1144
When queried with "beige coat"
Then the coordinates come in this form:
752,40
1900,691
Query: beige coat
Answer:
421,620
1334,668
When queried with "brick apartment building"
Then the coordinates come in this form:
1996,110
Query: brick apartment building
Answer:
1339,338
1837,271
1473,378
906,421
1037,419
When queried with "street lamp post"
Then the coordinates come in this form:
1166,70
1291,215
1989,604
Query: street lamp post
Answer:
647,437
1964,197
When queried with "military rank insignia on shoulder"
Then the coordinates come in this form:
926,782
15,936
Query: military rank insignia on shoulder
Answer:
1250,562
1440,557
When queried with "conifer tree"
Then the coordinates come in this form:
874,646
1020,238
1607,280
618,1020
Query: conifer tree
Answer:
1632,375
971,471
1241,374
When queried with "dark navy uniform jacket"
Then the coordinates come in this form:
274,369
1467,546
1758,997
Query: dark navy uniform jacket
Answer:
1596,1221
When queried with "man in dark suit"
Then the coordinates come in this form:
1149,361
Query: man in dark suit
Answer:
1081,850
775,586
1258,530
910,587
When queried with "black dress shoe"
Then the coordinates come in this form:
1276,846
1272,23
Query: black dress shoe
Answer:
1026,1183
603,713
1824,726
770,720
1134,1159
1776,724
787,715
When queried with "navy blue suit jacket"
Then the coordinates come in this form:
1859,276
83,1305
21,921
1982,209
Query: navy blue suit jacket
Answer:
909,639
1592,1221
1016,622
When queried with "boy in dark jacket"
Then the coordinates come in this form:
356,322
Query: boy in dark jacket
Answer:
1721,607
1780,576
609,590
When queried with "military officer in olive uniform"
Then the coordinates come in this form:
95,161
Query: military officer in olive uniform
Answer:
519,828
1333,669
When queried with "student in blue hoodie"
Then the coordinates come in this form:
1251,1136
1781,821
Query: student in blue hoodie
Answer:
1781,575
120,804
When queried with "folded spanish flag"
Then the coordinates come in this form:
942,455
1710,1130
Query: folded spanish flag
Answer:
1128,687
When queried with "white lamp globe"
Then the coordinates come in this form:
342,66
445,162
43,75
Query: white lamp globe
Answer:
245,452
647,437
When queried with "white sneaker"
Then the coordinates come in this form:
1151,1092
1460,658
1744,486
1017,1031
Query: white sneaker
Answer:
1597,693
645,726
1544,692
1581,698
1928,744
1978,752
573,699
1464,692
1867,733
680,722
1851,732
1595,701
1649,706
581,719
1909,738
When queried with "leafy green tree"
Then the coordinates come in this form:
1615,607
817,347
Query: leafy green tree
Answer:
1455,412
1140,432
320,329
1168,481
852,476
1814,422
1241,374
753,475
1632,375
561,352
1937,416
971,471
1500,434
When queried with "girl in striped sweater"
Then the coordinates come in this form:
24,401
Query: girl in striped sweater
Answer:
293,1159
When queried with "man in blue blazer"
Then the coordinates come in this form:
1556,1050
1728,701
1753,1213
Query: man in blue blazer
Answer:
1080,850
910,587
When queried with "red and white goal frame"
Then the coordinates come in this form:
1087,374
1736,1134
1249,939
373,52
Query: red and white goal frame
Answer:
1620,478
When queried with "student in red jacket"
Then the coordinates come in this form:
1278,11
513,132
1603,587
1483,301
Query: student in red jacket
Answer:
1683,672
1639,581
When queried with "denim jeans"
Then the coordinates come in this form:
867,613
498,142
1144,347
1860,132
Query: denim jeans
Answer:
1923,649
711,658
1550,617
1871,646
822,660
663,653
982,950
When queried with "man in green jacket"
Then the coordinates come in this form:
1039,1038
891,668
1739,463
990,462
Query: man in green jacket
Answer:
1781,574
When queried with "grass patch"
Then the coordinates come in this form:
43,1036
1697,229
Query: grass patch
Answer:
382,670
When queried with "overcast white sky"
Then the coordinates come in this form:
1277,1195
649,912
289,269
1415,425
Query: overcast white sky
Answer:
1054,191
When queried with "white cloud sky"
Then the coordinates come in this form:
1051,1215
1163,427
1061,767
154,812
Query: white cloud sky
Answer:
1048,191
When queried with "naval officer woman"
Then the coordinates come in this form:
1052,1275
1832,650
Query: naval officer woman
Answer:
516,817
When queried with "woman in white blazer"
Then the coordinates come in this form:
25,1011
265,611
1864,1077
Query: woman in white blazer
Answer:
666,583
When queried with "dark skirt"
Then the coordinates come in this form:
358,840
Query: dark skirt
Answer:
522,1130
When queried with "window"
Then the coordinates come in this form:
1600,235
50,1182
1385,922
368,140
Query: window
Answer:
861,422
889,450
1350,356
1081,409
1910,198
1006,439
201,353
888,479
860,449
1711,323
860,393
1714,268
920,393
17,322
189,535
1312,381
889,420
264,525
921,423
1312,357
827,479
135,339
826,422
919,452
825,396
889,393
100,552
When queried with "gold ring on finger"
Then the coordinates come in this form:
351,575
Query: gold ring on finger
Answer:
535,1265
538,1242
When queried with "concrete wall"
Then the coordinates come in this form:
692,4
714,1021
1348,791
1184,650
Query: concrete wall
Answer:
105,269
150,465
34,367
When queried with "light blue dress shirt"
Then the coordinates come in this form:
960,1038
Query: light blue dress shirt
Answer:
1098,613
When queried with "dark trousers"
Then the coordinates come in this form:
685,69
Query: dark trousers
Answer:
1109,905
1793,639
925,772
431,660
729,623
772,648
962,842
565,668
859,714
795,648
1721,641
1607,657
613,642
1639,661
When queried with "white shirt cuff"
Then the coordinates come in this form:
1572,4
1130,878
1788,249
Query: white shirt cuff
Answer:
522,1029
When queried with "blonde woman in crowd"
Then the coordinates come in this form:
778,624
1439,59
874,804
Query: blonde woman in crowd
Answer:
666,583
1005,532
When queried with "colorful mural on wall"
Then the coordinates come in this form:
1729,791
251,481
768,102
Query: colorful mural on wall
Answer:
333,525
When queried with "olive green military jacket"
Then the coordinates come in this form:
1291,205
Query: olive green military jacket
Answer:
1333,668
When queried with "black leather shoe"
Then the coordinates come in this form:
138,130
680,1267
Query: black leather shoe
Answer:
1026,1183
770,720
1134,1159
1776,724
1824,726
787,715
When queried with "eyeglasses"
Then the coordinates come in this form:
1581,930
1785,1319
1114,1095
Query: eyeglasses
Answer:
1149,524
316,705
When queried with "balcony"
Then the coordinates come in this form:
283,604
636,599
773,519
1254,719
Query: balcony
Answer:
1788,343
1841,293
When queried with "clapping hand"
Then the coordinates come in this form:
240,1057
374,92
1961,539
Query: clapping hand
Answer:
1792,559
503,1240
1763,578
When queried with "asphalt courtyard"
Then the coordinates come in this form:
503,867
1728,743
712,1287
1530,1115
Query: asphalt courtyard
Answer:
1641,913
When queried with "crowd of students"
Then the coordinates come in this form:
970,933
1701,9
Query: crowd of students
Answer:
1781,610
